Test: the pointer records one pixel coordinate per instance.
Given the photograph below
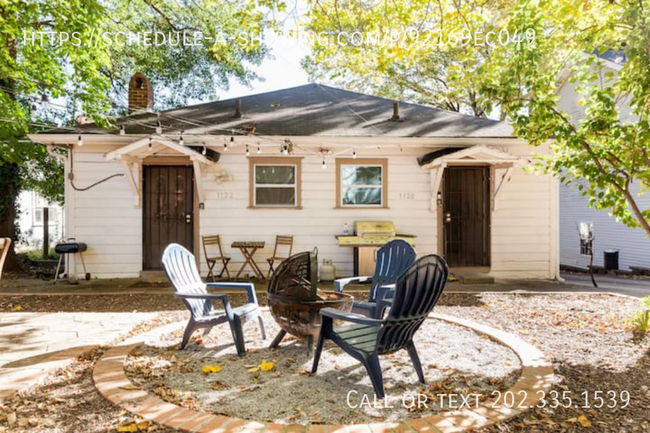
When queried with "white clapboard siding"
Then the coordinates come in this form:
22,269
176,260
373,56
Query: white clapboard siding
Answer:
633,244
106,218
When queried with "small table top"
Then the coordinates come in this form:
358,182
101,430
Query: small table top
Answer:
248,244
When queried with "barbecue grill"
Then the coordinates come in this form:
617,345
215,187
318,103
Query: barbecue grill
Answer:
70,248
368,238
295,301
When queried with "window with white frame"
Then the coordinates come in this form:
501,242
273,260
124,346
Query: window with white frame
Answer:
275,184
362,183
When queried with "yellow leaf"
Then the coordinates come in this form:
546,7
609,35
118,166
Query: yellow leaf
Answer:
17,308
267,366
211,369
133,427
584,421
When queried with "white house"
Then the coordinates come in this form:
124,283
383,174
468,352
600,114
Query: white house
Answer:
633,244
304,161
31,220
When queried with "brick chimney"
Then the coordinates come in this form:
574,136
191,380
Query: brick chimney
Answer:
140,93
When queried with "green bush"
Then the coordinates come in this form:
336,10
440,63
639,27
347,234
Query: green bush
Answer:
641,320
38,255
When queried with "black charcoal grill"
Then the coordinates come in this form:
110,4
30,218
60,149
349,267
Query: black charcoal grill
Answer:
70,248
295,301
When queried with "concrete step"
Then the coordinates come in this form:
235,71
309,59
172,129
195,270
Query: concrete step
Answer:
475,278
153,276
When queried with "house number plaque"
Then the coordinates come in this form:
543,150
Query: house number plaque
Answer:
407,196
225,195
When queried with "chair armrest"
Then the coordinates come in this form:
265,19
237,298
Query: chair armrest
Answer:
333,313
221,296
385,291
249,287
342,282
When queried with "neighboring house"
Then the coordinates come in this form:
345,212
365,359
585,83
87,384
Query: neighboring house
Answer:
633,244
305,161
30,221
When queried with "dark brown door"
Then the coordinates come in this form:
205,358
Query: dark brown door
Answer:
168,211
466,216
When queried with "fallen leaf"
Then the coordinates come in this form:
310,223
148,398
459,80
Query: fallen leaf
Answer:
11,418
17,308
211,369
267,366
584,421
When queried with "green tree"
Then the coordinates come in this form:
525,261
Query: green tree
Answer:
604,151
92,78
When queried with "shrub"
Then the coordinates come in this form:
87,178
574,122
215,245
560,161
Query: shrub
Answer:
641,320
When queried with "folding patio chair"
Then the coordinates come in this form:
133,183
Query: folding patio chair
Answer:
282,241
212,260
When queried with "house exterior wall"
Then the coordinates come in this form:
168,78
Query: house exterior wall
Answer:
30,221
524,222
633,244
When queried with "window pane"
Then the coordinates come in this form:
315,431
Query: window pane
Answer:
361,175
275,174
276,196
361,196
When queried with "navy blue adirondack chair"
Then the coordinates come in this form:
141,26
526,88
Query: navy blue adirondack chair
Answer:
392,260
416,293
180,267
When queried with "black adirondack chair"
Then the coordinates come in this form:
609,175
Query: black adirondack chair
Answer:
180,267
392,260
416,293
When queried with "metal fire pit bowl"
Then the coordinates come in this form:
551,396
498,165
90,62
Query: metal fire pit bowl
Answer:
295,301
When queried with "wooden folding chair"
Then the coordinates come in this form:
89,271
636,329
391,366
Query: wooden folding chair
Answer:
5,244
212,260
280,241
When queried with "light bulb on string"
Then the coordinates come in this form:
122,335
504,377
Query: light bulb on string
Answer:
45,101
354,153
122,130
80,141
324,166
232,135
150,142
205,151
247,151
259,150
180,140
285,149
159,128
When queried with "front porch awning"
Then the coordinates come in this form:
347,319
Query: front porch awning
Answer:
132,155
501,162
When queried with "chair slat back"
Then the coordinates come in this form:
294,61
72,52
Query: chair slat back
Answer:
283,241
209,241
416,293
393,259
180,267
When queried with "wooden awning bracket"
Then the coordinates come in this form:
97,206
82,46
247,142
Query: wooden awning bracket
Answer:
129,167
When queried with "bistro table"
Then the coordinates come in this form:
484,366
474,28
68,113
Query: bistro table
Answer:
248,249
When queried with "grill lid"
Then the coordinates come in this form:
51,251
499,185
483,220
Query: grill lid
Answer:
375,229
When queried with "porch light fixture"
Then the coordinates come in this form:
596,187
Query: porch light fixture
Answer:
80,141
122,131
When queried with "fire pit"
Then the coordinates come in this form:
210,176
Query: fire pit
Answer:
294,298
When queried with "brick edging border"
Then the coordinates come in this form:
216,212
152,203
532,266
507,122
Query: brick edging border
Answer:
537,372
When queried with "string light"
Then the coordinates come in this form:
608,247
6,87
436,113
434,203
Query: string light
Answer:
159,128
285,149
324,165
150,142
205,151
354,153
225,145
80,141
232,135
180,140
122,130
45,101
247,151
259,150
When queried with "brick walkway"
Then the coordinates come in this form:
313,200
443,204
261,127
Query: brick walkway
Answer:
537,372
33,345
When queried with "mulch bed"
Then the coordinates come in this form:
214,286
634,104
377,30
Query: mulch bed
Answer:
588,337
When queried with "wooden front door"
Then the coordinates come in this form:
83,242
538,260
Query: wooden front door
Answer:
168,214
466,216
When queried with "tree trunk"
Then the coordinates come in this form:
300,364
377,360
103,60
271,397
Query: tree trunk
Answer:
10,186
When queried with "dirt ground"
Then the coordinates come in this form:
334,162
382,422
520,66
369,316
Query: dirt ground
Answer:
589,338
